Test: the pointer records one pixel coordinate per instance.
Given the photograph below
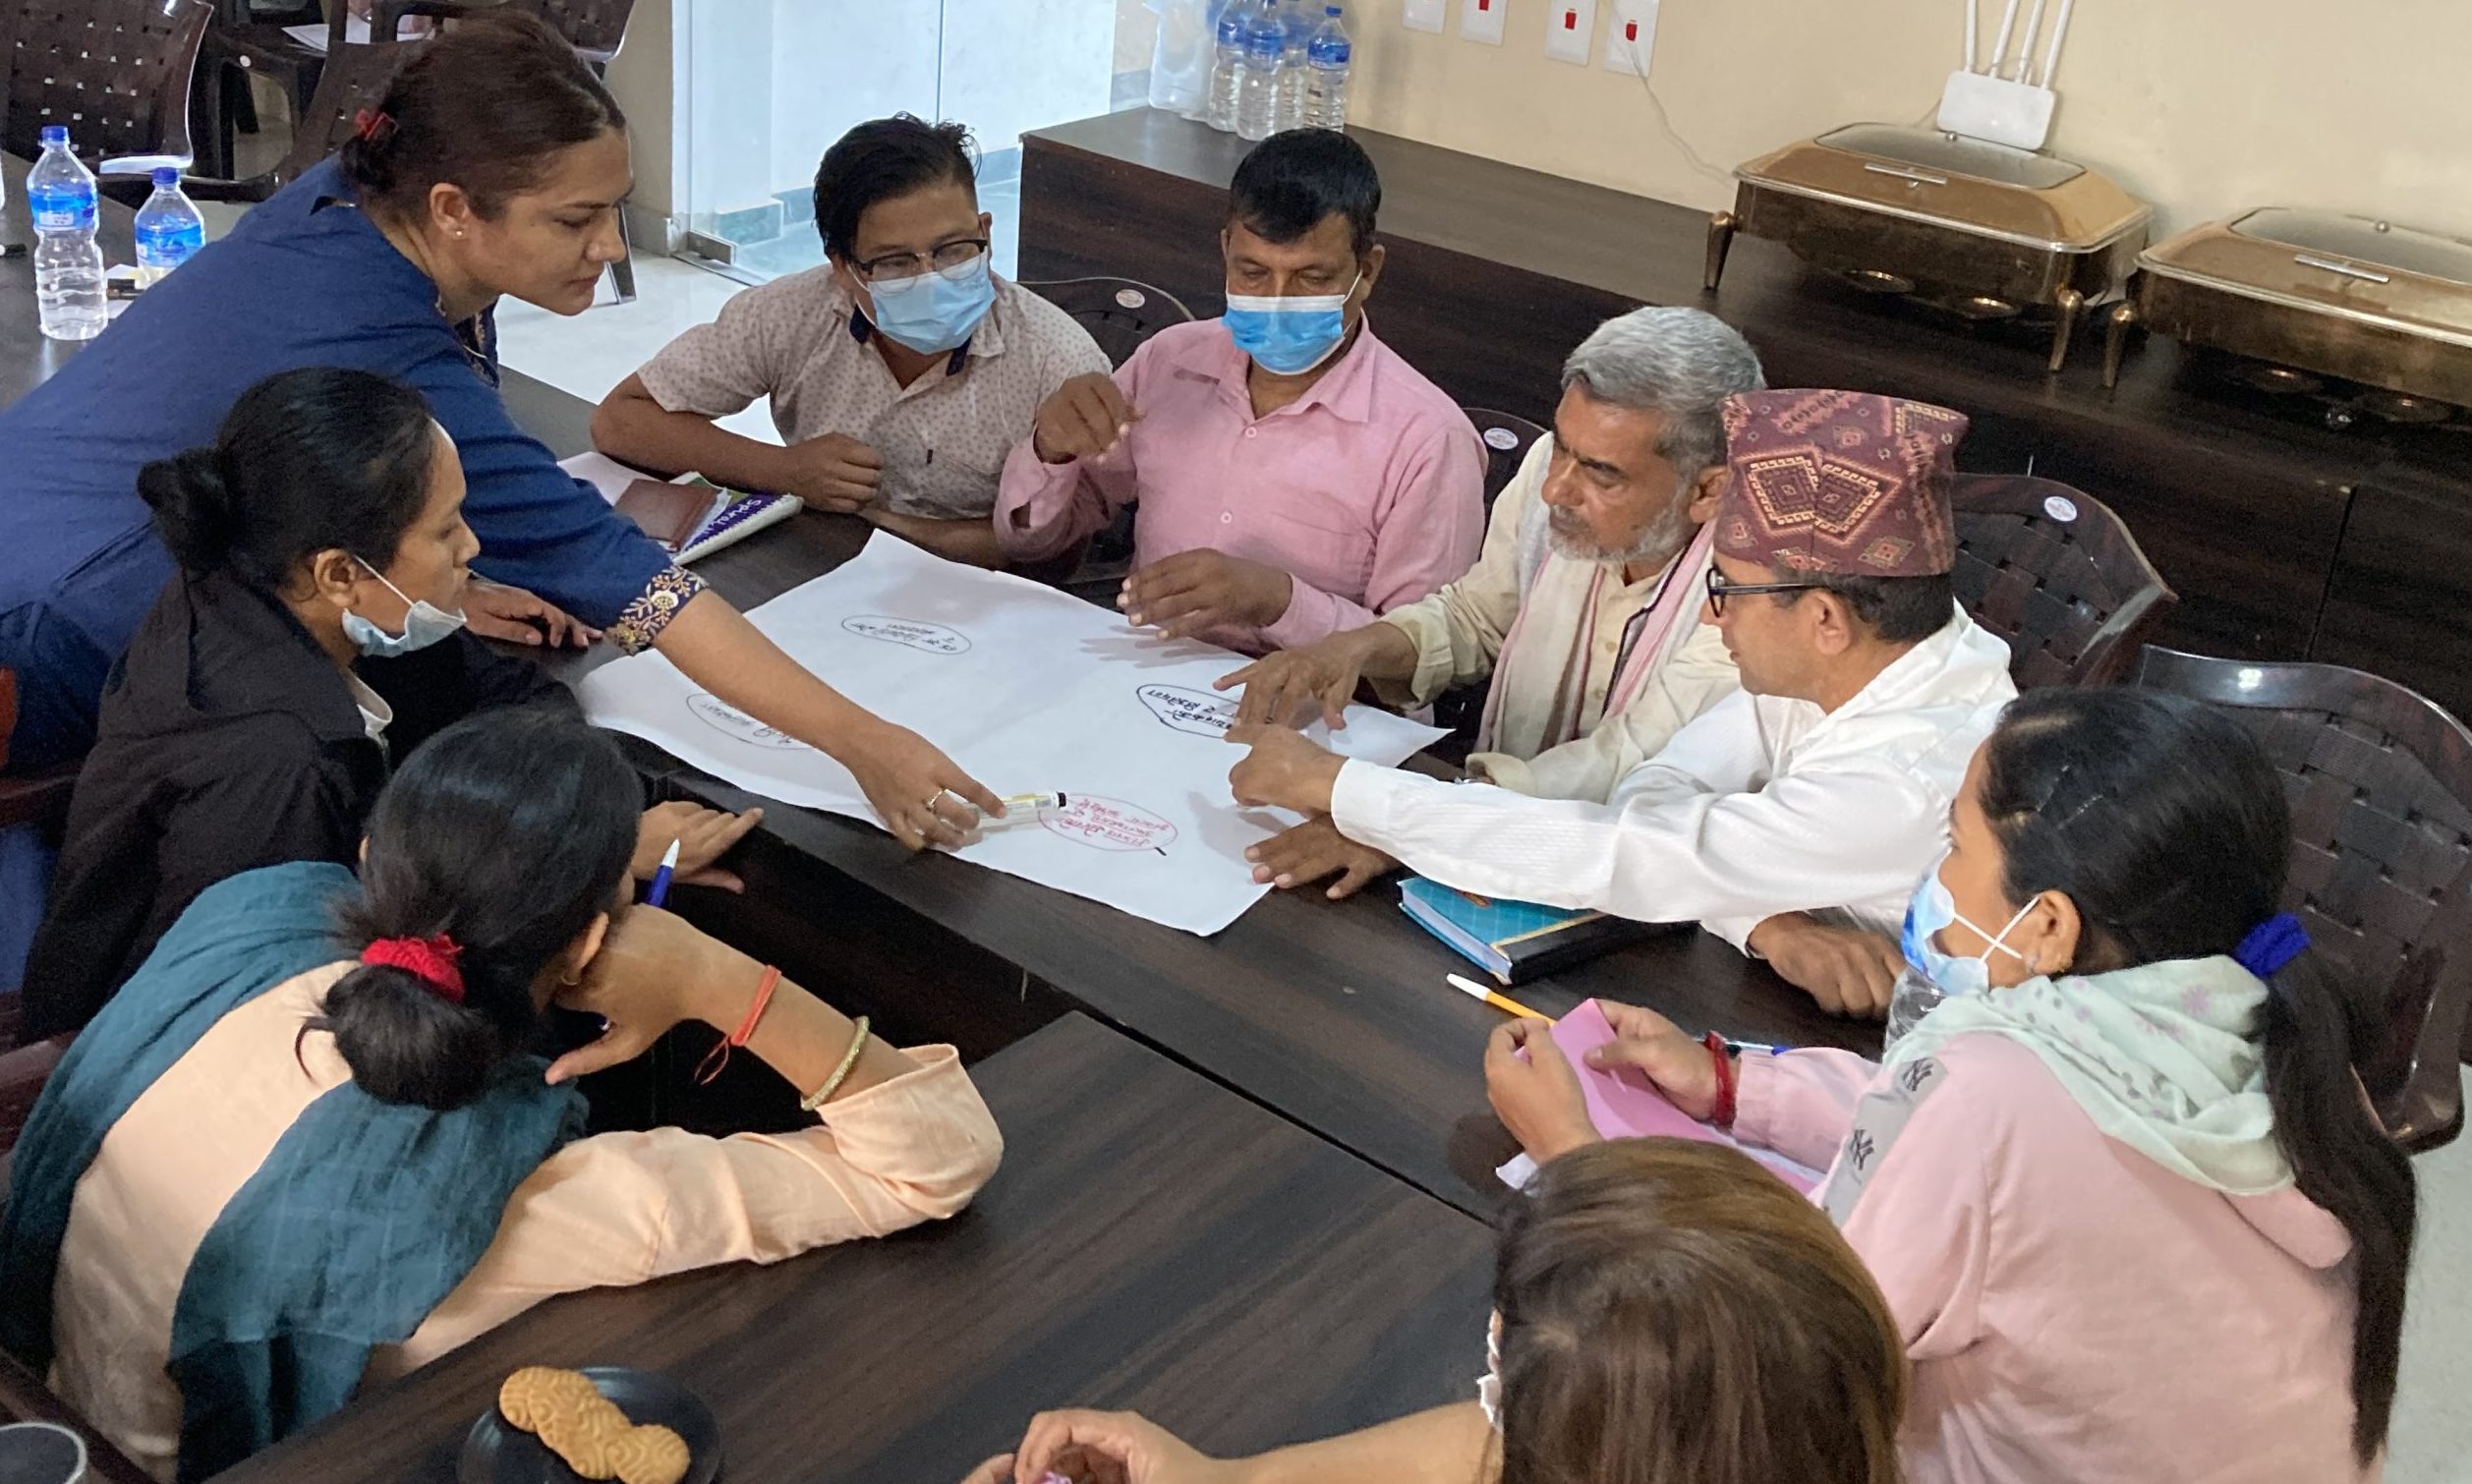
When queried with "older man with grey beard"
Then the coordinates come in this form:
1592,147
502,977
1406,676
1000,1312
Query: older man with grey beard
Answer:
1583,607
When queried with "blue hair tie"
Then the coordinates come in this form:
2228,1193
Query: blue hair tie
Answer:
2271,944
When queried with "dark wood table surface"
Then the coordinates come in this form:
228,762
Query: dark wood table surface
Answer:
26,359
1333,1014
1152,1241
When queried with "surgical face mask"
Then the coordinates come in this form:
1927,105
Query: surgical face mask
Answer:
935,311
1289,336
423,624
1933,909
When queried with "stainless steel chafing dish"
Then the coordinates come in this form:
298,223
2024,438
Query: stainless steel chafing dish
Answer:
2316,295
1984,230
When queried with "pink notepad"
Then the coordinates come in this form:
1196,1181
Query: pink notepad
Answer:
1624,1106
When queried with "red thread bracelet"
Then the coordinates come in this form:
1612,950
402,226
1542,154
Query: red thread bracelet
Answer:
718,1056
1721,1060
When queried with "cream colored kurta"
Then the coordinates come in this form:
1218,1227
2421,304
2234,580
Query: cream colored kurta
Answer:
612,1210
1571,640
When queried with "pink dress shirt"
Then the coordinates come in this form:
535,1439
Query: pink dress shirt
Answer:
1369,490
2074,1311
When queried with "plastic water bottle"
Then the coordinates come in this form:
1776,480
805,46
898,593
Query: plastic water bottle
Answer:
68,266
169,229
1288,107
1908,1002
1257,82
1227,65
1326,74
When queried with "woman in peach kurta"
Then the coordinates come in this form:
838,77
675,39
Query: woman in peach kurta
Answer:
166,1222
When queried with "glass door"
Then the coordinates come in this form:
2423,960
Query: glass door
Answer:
767,85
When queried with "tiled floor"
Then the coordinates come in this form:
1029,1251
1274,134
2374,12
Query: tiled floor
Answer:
2432,1438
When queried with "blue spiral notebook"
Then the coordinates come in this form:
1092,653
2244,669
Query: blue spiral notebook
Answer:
729,516
1514,941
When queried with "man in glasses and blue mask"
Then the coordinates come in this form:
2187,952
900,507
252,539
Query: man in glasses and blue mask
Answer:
1295,477
900,372
1791,818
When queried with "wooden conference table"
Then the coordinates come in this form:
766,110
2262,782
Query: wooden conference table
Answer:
1334,1015
1153,1241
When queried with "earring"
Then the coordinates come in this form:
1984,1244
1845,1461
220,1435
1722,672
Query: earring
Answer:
569,980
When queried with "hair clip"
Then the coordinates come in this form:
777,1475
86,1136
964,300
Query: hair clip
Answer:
374,126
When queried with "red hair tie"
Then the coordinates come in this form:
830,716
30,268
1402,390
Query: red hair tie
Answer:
372,125
430,959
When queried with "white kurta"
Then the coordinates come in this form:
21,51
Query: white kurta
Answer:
1569,619
1763,804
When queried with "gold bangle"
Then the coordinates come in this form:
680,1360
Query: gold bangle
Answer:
840,1074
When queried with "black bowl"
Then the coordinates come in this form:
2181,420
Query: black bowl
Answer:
495,1451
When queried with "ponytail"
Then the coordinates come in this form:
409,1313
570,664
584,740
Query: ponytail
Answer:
306,461
490,853
2163,819
406,1043
2343,1159
195,512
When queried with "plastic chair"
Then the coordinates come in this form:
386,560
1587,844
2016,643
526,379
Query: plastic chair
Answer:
351,75
1118,312
2055,573
2380,782
1508,437
115,72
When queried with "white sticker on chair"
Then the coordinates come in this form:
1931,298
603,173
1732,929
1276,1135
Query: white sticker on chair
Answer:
1500,438
1131,299
2059,507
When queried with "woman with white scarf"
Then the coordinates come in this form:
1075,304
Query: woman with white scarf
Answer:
2121,1188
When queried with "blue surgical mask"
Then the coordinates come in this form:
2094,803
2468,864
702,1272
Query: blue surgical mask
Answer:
935,311
1932,909
423,624
1290,336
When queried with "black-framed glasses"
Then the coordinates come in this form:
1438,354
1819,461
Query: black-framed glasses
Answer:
948,257
1719,590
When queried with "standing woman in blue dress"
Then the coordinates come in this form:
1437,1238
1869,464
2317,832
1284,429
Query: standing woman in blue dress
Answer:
495,168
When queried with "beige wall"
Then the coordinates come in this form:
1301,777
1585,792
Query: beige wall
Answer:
640,79
2200,106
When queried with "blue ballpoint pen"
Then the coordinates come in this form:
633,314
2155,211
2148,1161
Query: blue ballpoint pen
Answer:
661,878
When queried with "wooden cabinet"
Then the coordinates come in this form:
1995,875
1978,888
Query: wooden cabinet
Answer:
2285,539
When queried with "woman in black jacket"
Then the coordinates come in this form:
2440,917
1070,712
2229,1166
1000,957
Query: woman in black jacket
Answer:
312,639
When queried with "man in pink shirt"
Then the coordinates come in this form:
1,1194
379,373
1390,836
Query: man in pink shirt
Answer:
1295,475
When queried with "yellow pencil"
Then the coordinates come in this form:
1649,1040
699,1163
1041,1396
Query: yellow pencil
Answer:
1503,1003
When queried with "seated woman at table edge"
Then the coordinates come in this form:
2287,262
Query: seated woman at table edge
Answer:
495,166
306,1150
312,641
1791,817
1585,608
2122,1186
1662,1310
1293,477
901,371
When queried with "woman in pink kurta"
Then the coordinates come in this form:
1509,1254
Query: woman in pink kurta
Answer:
2121,1188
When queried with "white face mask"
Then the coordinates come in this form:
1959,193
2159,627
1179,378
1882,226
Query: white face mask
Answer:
423,624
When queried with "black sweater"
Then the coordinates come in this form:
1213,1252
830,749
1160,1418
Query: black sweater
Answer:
227,741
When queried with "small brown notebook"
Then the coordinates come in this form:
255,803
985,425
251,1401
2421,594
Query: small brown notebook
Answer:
670,514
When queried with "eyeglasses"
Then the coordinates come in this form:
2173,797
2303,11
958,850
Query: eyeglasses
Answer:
1719,590
947,258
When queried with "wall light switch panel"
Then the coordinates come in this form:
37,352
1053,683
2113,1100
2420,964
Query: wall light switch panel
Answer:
1427,15
1631,35
1570,30
1481,21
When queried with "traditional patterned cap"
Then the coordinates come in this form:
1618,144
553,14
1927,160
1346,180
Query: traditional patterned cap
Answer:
1839,482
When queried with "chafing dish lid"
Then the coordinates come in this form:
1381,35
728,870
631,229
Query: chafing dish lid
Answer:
1968,185
2354,267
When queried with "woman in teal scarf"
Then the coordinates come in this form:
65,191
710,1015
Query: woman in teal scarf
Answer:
330,1156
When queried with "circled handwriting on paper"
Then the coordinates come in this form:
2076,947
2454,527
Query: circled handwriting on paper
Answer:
1105,823
723,717
931,638
1201,713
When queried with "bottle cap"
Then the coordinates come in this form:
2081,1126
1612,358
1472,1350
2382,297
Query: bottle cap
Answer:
55,134
166,177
